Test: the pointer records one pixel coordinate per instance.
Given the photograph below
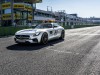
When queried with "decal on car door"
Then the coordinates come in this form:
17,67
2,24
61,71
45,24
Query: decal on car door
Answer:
56,32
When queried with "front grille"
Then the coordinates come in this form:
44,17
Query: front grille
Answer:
22,36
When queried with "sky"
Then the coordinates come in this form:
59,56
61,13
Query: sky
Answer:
84,8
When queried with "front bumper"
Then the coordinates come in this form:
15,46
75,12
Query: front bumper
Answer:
21,38
35,40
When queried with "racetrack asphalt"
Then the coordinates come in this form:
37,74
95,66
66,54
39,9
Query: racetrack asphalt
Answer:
77,54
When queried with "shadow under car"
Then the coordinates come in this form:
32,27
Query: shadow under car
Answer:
32,47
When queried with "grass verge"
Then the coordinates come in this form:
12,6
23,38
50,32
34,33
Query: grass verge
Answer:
7,31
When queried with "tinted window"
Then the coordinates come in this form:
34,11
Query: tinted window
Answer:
44,26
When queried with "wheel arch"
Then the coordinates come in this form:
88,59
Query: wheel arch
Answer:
42,36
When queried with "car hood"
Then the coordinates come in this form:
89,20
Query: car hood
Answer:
28,31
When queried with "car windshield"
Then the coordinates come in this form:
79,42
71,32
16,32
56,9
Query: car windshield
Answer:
43,26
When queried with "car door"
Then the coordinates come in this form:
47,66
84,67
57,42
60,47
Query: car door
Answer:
50,31
57,30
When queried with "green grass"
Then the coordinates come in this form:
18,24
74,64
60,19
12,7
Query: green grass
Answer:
6,31
79,26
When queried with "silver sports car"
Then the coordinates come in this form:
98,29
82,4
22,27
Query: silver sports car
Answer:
42,33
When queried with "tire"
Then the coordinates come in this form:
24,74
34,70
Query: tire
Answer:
62,34
44,38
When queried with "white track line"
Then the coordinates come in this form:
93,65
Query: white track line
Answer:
67,52
80,34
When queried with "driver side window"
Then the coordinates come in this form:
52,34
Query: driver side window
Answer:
49,26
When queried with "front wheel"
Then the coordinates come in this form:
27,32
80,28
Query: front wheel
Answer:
44,38
62,34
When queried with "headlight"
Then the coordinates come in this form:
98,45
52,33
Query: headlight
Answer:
37,33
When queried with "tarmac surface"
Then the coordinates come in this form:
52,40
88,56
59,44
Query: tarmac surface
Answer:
77,54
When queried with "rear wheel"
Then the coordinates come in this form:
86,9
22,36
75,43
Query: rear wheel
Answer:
44,38
62,34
